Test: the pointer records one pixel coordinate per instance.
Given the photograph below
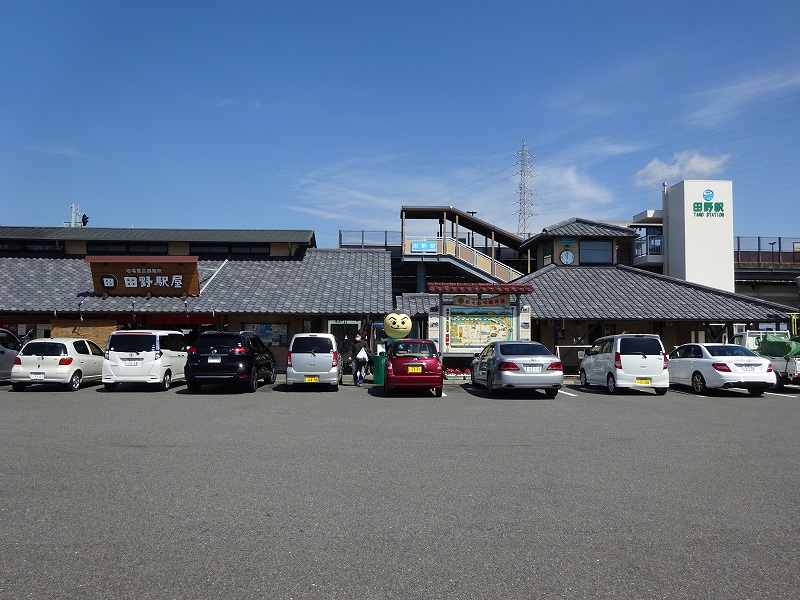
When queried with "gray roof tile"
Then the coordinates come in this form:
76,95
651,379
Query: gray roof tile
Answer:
322,282
621,292
580,228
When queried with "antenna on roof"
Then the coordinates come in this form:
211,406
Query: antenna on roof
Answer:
75,216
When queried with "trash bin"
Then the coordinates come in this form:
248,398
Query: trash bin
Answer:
378,369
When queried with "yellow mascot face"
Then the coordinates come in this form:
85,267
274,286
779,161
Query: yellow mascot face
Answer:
397,325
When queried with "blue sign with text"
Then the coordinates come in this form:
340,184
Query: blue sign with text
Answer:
423,246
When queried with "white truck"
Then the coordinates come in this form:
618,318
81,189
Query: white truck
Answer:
777,346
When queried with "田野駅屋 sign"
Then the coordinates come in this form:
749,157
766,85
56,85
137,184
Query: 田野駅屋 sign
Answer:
143,275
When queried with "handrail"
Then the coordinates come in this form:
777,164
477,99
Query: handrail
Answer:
466,253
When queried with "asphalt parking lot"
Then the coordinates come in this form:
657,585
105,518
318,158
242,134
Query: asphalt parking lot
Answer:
307,493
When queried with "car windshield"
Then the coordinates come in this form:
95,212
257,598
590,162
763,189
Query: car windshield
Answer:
413,349
308,345
132,343
44,349
639,345
218,341
523,350
729,351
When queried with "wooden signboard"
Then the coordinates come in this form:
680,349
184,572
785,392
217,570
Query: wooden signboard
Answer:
143,275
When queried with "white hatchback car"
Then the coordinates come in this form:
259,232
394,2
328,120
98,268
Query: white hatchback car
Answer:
626,360
68,361
711,366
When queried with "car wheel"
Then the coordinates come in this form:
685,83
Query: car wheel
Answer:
472,378
252,383
388,391
273,375
335,387
110,387
437,392
193,387
755,391
166,382
661,391
611,385
551,393
489,385
75,382
699,383
19,387
584,379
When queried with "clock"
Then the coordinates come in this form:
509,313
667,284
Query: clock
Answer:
567,257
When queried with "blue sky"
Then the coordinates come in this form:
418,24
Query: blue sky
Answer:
331,116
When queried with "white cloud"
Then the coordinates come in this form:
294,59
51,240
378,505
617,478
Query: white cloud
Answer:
689,164
59,149
723,103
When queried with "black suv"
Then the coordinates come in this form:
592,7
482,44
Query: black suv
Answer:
225,357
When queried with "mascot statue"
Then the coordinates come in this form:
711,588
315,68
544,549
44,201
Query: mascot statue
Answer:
397,325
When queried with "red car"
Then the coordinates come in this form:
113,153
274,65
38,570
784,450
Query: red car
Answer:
413,364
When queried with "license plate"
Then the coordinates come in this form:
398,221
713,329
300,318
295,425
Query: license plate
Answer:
748,368
132,363
37,375
533,368
214,359
312,379
413,369
641,381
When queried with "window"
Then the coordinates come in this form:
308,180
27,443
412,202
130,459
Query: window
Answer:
596,252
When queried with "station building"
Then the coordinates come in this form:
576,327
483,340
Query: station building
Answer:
463,280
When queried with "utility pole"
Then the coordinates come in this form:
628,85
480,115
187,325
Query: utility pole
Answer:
525,211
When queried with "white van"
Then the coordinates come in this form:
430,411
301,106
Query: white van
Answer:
626,360
157,357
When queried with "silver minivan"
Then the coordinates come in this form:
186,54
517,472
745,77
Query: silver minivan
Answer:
156,356
9,348
626,360
314,358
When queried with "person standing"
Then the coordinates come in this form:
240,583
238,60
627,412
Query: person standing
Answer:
359,357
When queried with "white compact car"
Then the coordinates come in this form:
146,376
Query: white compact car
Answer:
68,361
720,366
138,356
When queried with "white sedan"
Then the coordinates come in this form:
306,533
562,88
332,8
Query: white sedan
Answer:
68,361
713,366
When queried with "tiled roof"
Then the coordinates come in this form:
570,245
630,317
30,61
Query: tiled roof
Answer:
622,292
580,228
322,282
418,305
121,234
619,292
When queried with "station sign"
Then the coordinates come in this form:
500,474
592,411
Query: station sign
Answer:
145,275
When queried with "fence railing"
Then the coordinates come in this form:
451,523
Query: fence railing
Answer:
770,250
464,252
648,245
